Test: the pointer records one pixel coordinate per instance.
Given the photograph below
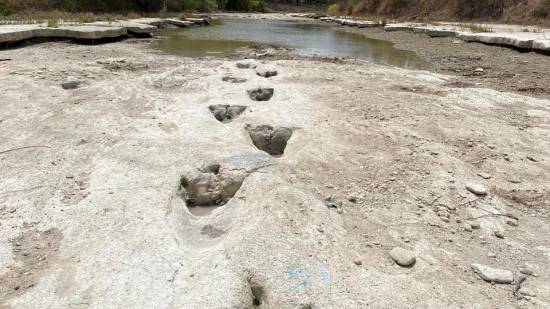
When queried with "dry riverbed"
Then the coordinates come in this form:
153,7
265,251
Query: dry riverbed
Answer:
474,64
318,183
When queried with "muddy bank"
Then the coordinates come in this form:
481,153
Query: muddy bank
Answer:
303,196
475,64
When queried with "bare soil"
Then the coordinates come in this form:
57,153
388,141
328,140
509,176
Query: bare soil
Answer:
503,68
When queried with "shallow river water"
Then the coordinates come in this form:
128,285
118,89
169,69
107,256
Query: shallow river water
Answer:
224,36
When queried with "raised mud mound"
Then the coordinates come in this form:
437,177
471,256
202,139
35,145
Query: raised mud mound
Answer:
211,186
226,113
269,139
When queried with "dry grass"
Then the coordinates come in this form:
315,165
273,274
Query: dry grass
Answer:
518,11
476,28
31,17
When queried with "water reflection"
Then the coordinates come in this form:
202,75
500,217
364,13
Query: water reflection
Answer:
224,36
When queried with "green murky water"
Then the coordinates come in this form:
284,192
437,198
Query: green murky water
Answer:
224,36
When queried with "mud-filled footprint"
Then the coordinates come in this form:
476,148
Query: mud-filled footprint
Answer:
261,94
269,139
226,113
209,188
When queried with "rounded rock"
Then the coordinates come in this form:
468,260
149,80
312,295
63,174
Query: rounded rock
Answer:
476,189
403,257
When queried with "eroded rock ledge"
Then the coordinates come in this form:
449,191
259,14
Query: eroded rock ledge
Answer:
93,31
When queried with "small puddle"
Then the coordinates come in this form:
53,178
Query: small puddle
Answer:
224,36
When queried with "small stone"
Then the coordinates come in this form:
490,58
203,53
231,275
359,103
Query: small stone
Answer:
403,257
512,222
499,234
514,180
475,225
532,159
468,227
476,188
491,255
484,175
358,263
70,85
490,274
479,70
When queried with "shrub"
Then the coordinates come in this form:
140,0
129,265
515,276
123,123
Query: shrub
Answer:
53,23
5,9
542,10
259,6
333,9
239,5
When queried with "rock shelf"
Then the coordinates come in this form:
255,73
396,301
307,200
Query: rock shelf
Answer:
92,31
534,39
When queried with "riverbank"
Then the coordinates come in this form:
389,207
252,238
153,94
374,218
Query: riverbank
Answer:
103,148
474,64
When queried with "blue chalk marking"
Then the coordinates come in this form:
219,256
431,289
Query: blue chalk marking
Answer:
249,157
299,274
324,274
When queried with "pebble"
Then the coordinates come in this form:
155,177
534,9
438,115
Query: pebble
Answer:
499,234
358,263
476,188
512,222
402,256
468,228
475,225
514,180
490,274
491,255
70,85
484,175
479,70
